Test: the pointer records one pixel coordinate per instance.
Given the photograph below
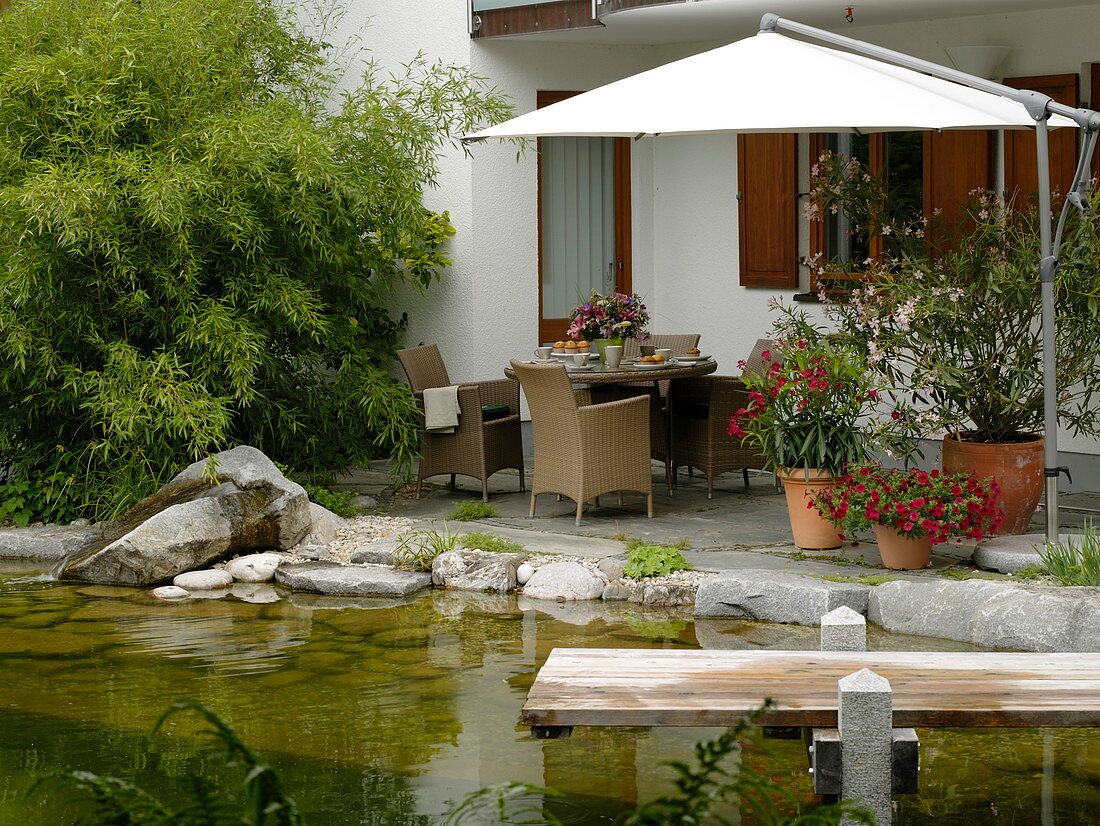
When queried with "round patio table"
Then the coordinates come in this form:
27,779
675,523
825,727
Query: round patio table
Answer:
601,375
627,374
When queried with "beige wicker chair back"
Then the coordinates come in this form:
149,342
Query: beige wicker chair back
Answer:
424,367
677,343
755,362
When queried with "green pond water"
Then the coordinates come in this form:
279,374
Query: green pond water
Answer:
389,712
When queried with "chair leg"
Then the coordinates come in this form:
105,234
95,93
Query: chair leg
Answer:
710,486
453,481
649,505
620,498
745,475
419,483
484,490
531,513
580,509
670,476
522,481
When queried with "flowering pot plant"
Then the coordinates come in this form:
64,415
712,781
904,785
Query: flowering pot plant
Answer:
614,316
915,503
810,405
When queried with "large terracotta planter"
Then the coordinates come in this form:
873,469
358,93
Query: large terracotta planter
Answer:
811,530
1016,466
901,552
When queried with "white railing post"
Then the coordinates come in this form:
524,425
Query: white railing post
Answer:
843,629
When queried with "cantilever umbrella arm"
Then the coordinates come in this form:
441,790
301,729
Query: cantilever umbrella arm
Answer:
1040,107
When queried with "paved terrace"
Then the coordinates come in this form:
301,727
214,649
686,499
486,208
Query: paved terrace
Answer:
741,527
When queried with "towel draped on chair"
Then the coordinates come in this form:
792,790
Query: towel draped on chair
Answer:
441,409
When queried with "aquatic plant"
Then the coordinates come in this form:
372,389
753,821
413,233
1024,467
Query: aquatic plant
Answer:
120,803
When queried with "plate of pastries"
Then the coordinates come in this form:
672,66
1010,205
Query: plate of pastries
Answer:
568,349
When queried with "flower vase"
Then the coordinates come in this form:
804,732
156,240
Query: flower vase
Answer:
603,343
810,529
901,552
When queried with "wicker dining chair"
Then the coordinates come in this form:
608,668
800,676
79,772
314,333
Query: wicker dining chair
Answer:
701,411
478,447
584,450
755,362
658,430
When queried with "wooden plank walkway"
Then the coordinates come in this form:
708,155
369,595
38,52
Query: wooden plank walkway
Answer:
633,687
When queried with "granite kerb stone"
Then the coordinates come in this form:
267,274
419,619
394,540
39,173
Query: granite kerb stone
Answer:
776,596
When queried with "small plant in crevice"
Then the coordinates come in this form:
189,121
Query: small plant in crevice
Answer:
472,511
485,541
418,550
1074,561
654,560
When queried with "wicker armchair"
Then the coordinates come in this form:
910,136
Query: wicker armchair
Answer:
477,448
701,410
583,450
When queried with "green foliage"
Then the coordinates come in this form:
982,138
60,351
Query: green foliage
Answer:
1074,562
1031,572
264,802
862,579
632,542
654,560
200,235
472,510
418,550
337,501
485,541
950,314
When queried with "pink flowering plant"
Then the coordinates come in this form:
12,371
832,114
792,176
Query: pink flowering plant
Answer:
915,503
812,406
609,316
950,314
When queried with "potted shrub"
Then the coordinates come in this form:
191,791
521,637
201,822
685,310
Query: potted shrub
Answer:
910,511
604,320
953,313
808,415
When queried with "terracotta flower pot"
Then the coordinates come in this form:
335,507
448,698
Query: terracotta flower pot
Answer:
811,530
901,552
1016,466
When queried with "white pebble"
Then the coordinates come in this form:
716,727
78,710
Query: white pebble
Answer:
170,592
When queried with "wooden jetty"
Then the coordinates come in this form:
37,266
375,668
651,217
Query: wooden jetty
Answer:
639,687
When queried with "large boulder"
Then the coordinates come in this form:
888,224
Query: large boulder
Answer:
323,526
776,596
350,580
993,614
473,570
565,581
195,520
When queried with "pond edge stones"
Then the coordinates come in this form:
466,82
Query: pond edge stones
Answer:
776,596
565,581
350,580
476,570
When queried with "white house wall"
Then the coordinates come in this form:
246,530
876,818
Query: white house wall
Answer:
685,215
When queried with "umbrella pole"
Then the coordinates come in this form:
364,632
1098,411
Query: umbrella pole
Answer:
1048,268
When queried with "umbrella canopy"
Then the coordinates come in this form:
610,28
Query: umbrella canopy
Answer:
770,83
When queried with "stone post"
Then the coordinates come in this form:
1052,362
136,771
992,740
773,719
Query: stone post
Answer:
865,717
843,629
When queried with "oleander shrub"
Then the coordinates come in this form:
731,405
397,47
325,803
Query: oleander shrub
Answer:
200,237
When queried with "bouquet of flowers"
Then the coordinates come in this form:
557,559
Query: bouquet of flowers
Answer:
609,316
915,503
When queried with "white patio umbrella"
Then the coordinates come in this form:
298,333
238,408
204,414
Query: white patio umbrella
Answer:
772,83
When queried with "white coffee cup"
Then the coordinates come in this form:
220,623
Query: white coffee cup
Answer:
613,355
580,359
544,352
664,351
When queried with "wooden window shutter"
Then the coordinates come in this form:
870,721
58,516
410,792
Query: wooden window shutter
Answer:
1021,175
767,210
955,164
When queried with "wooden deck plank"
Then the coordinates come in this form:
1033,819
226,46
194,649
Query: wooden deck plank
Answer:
646,687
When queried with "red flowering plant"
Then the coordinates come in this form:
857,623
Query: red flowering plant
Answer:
812,405
609,316
915,503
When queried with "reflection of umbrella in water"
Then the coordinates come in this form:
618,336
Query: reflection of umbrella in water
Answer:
759,85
